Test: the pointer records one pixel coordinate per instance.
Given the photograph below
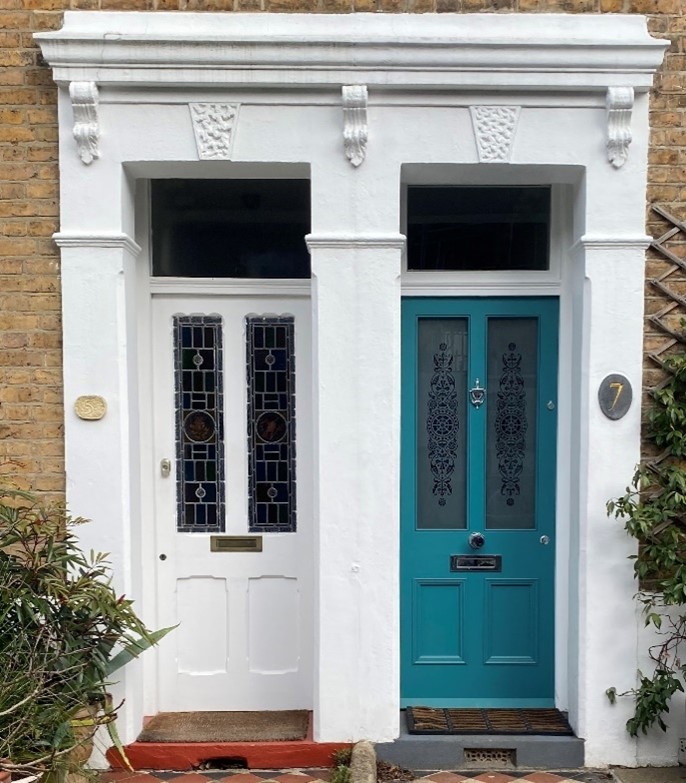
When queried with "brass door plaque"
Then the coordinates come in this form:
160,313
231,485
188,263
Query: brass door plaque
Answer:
475,562
235,543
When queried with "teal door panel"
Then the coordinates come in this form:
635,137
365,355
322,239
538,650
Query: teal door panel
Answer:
479,398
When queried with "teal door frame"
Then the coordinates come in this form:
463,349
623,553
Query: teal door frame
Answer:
479,638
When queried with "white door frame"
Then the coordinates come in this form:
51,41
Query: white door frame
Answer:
444,91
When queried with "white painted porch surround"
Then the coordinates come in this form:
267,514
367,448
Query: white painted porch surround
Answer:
423,74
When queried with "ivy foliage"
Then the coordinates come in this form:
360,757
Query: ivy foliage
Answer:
653,510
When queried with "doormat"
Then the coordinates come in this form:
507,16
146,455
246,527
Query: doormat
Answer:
429,720
277,726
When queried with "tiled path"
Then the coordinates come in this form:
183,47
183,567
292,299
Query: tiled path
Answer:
324,776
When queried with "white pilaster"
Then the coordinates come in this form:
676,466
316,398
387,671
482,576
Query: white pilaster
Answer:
102,457
610,451
356,371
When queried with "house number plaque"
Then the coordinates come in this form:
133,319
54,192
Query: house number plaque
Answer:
615,395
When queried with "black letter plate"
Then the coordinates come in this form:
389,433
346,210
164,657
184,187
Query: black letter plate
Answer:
475,562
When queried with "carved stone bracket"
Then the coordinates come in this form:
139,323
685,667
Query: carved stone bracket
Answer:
84,102
355,130
214,128
619,103
494,129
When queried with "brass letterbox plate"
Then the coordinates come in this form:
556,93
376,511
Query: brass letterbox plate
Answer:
475,562
235,543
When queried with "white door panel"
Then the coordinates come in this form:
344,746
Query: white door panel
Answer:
244,640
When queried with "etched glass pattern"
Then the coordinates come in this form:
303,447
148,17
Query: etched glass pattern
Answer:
199,423
442,423
441,464
271,423
512,393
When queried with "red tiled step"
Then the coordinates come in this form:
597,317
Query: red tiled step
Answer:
257,755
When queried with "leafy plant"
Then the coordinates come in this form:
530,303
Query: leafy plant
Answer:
653,510
342,757
341,774
63,633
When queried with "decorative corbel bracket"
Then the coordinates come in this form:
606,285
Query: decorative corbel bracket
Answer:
84,103
620,103
355,130
214,127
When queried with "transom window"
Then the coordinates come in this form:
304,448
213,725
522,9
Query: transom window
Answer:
478,228
230,228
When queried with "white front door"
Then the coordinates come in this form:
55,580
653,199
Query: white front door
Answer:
229,406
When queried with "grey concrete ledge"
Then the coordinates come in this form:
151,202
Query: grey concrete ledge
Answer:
420,752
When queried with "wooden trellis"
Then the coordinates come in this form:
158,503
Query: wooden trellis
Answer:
662,284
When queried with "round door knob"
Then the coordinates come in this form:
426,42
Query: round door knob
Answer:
476,540
163,556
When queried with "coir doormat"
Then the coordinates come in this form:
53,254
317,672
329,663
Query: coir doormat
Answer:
429,720
277,726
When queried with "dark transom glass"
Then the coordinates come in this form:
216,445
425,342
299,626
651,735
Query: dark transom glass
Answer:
230,228
478,229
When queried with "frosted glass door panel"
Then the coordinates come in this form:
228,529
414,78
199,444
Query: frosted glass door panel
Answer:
511,409
441,423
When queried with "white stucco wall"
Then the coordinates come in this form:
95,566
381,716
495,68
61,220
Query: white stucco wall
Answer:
422,128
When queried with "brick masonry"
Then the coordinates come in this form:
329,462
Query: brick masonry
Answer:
31,419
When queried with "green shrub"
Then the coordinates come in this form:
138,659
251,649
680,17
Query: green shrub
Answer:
63,632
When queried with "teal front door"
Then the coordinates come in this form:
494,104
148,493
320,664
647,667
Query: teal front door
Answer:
479,385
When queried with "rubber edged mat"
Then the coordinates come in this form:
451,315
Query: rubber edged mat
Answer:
434,720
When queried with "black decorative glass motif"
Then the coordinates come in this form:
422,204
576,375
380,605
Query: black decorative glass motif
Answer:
511,424
442,424
199,423
271,424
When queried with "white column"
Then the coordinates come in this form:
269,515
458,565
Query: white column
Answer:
102,456
356,372
610,450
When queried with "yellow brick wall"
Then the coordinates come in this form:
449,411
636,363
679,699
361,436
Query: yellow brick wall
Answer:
31,421
30,355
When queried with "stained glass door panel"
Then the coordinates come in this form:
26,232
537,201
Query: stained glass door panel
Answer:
479,381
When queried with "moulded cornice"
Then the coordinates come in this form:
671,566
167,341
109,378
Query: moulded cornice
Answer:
532,51
97,240
598,242
244,286
391,241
